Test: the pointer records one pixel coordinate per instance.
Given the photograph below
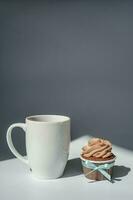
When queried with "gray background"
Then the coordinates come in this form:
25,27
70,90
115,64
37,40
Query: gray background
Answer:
67,57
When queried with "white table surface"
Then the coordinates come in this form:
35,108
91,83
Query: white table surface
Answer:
16,182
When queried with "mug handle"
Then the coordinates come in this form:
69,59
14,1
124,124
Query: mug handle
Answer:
10,143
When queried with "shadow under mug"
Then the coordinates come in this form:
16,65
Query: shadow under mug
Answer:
47,144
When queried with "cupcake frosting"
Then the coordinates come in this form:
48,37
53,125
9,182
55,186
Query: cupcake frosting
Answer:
98,148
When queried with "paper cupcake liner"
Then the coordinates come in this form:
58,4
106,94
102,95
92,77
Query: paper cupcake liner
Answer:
94,174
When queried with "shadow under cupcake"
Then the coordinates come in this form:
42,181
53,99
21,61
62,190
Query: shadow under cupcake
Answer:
98,160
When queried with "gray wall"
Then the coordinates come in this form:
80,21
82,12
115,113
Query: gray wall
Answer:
67,57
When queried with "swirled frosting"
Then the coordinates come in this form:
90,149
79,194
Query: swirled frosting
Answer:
98,148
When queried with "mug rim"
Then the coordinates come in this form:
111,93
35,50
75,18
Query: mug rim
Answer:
35,118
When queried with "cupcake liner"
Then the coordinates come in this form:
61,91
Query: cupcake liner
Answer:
98,170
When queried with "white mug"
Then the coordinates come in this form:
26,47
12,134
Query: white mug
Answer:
47,144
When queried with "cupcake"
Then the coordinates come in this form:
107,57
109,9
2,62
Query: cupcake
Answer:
97,159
